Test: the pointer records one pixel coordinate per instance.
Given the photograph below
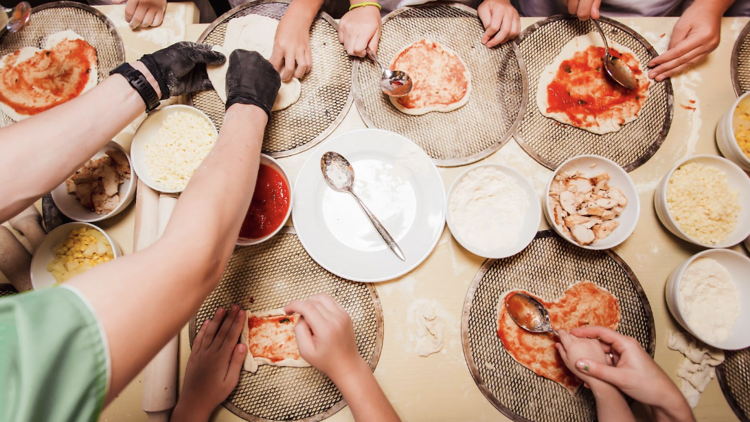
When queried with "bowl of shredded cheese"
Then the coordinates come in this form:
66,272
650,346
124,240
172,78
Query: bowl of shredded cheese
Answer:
733,133
705,200
69,250
170,145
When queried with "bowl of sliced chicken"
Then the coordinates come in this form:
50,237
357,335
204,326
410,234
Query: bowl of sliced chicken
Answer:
101,189
592,202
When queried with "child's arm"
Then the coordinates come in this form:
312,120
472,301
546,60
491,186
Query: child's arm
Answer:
325,336
144,13
360,28
291,48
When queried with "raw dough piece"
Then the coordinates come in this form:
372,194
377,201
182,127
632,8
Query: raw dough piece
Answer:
699,366
271,341
430,329
590,100
441,80
253,33
48,80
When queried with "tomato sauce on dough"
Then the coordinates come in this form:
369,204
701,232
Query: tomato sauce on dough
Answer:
269,206
273,337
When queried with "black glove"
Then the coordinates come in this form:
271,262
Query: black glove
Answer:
251,79
181,67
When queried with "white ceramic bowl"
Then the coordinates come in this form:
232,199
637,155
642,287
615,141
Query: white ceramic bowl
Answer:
40,277
149,131
264,159
737,180
738,266
618,178
725,131
72,208
530,223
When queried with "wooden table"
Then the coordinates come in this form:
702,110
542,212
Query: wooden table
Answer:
439,387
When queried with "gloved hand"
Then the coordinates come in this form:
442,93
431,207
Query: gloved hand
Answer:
251,79
181,67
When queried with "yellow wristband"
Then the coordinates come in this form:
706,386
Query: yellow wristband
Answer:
354,6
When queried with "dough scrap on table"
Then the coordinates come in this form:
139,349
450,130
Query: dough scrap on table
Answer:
430,330
699,366
271,340
252,33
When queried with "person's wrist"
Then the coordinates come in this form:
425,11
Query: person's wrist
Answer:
245,110
671,404
348,371
139,66
187,411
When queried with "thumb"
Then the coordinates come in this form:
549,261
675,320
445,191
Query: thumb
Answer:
599,371
304,338
209,56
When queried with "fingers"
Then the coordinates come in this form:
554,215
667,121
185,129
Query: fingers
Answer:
118,1
204,53
375,41
565,338
130,9
235,329
502,35
213,327
599,371
159,18
617,341
595,9
138,16
199,337
677,65
356,45
303,65
148,19
309,310
287,71
588,9
277,58
239,351
572,6
562,352
327,302
221,335
491,26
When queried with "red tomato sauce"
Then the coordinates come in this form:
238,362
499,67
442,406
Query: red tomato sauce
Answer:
269,206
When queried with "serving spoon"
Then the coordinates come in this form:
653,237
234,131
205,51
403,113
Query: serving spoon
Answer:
529,314
394,83
15,18
616,68
339,175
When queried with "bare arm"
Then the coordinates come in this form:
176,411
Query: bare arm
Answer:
291,49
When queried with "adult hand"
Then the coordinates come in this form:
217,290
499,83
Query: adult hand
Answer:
291,47
500,20
213,368
360,28
695,34
584,9
251,79
144,13
325,335
572,349
181,67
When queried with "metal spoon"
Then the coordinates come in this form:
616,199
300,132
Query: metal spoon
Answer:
616,68
393,82
529,314
16,18
340,176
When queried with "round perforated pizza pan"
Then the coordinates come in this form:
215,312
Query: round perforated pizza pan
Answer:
733,376
547,267
268,276
550,142
83,19
326,90
740,62
498,95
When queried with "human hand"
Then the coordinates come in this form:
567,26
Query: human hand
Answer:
325,335
695,34
213,368
291,47
144,13
251,79
572,349
500,20
360,28
181,67
584,9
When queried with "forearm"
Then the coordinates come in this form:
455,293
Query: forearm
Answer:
364,396
673,408
183,413
611,405
304,11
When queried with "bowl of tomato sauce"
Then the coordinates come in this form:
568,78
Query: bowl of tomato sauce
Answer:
271,204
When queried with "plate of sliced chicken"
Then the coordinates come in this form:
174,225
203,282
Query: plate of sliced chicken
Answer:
592,202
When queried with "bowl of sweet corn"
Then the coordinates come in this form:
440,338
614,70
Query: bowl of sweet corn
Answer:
70,250
733,133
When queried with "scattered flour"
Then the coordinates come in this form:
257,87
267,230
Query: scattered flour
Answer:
698,368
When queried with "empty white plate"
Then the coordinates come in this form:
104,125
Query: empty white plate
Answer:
401,186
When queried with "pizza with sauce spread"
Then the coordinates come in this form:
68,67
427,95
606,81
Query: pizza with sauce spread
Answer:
582,304
34,80
270,340
441,81
576,89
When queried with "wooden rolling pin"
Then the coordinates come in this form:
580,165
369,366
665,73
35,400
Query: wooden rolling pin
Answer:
15,261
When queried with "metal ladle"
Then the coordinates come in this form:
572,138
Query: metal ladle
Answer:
393,82
616,68
16,18
339,175
529,314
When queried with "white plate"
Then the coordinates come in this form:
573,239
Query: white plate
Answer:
148,131
401,186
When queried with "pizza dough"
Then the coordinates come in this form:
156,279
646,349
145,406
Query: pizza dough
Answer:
34,80
576,90
582,304
253,33
271,340
430,327
441,80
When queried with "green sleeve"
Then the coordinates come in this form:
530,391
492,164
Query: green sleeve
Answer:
55,358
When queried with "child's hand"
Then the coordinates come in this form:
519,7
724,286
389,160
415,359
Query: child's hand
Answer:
291,48
501,22
213,368
572,349
360,28
325,335
144,13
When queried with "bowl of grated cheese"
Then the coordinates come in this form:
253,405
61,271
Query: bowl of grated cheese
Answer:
170,145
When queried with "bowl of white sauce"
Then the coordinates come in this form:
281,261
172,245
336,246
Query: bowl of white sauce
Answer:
709,295
493,211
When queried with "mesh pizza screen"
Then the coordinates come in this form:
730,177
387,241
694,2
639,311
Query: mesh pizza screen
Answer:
268,276
497,97
84,20
733,376
550,142
547,267
326,90
7,289
740,62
